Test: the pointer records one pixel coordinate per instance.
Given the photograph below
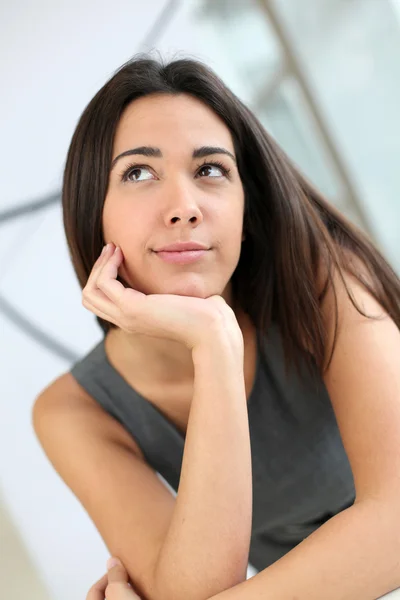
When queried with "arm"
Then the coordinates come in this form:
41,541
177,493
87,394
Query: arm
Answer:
171,549
207,545
202,547
353,556
356,554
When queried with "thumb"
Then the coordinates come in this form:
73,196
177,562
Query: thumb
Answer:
116,571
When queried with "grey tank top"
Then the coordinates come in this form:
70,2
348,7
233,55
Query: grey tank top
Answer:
301,473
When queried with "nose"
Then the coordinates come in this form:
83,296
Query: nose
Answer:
182,208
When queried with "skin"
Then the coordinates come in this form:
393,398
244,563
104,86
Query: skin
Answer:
355,553
172,198
168,199
114,585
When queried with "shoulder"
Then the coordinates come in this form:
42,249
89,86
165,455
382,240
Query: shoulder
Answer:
361,335
65,403
64,393
362,377
350,292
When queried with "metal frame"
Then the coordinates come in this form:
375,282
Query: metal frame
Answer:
293,66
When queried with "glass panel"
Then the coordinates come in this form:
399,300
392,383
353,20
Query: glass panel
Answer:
350,51
286,117
239,30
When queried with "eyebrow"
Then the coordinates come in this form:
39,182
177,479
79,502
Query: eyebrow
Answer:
156,152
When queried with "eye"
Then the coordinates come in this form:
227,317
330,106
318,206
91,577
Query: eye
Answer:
210,168
207,166
134,168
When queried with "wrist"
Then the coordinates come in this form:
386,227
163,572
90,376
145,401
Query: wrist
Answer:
218,341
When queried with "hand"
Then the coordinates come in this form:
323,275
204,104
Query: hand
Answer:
185,319
114,585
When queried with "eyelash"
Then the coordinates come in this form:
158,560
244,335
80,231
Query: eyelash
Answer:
125,173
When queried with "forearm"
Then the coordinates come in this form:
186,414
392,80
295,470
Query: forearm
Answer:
353,556
207,545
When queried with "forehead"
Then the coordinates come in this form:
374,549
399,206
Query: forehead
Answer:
164,120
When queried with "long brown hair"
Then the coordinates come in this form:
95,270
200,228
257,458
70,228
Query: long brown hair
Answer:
292,233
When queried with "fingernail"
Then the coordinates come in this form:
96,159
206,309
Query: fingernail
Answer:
117,248
104,248
113,562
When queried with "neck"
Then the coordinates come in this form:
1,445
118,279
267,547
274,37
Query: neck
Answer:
166,360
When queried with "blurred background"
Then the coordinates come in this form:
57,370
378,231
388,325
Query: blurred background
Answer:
324,78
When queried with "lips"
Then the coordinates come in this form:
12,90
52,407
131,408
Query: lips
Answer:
182,257
182,247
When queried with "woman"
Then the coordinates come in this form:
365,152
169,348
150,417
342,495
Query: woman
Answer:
257,371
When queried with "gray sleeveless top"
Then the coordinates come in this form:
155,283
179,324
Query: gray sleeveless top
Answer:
301,474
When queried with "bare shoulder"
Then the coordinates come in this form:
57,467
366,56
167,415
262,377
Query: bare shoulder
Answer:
65,398
351,289
98,460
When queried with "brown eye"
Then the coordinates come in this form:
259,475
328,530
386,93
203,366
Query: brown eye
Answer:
136,169
210,168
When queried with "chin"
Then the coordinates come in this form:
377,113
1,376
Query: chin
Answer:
192,285
193,288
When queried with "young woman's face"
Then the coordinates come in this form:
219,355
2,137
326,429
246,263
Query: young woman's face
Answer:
172,196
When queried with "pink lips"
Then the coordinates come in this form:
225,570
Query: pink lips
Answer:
181,257
182,253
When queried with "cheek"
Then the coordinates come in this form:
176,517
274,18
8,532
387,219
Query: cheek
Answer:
233,224
110,220
234,238
120,226
129,268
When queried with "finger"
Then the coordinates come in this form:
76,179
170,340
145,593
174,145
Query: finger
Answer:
92,295
97,591
118,580
112,288
112,318
109,295
107,278
116,571
100,262
105,254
